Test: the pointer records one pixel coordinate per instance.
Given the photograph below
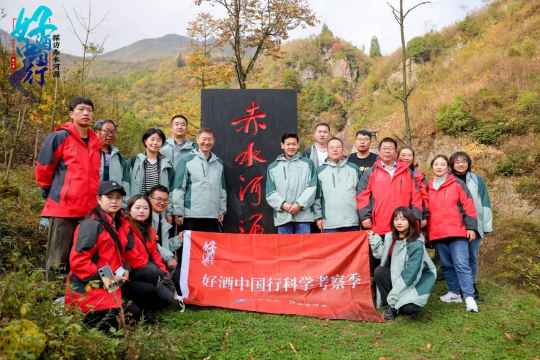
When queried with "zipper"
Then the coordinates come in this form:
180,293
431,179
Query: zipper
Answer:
334,180
203,171
285,173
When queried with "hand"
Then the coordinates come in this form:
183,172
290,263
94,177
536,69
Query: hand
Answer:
320,224
179,220
220,218
286,206
366,224
471,235
172,263
423,224
295,209
370,232
124,277
169,219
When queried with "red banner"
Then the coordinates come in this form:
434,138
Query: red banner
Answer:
321,275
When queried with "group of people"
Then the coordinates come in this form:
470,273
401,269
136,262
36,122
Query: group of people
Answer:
115,224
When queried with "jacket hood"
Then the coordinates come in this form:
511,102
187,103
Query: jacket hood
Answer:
281,157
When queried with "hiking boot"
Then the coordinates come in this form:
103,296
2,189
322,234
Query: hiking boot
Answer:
389,314
470,304
451,297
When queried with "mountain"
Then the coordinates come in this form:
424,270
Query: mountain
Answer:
157,48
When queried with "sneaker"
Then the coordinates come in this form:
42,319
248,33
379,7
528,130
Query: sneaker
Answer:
470,304
389,314
451,297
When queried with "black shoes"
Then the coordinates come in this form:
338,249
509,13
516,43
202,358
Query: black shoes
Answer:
389,314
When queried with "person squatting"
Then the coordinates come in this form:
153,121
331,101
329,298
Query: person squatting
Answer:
115,225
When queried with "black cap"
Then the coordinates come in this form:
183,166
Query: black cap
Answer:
107,187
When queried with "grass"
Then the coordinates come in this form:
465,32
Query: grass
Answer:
506,328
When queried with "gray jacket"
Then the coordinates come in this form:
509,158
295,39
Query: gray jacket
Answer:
168,244
136,174
478,189
294,181
199,187
117,167
411,270
337,187
176,152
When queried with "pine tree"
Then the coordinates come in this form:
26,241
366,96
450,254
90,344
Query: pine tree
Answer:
375,48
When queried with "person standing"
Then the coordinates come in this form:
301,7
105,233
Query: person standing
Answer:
452,224
363,158
318,151
291,184
406,154
113,164
389,184
461,165
177,146
67,171
151,168
199,193
337,188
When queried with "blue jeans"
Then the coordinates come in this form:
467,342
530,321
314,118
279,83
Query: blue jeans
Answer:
474,246
454,256
295,228
342,229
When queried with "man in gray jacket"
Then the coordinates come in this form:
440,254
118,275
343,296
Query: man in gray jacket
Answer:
338,185
291,184
199,194
177,146
113,165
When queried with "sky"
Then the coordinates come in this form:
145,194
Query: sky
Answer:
126,21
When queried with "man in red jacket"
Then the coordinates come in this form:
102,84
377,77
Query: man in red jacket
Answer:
388,185
67,172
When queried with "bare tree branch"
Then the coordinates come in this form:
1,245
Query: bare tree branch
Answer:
415,6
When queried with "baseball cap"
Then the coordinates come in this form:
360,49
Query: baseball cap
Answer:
107,187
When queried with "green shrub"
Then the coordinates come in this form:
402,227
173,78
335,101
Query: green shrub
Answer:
456,118
528,103
423,48
469,26
515,164
529,188
489,133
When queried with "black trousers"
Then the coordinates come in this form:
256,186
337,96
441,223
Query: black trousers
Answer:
145,289
383,282
202,224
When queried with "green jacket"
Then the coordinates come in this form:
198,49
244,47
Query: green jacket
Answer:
168,244
411,270
136,174
199,187
478,189
174,152
337,187
294,181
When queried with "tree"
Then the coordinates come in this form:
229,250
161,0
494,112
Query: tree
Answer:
202,30
326,38
91,49
255,27
375,48
400,15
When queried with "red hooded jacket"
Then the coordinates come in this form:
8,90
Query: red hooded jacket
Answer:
383,193
93,248
451,210
67,171
138,252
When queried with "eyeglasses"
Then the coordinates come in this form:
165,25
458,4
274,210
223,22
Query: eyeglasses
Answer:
160,200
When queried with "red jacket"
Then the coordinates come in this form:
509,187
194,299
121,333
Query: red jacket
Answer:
421,181
67,170
93,248
138,252
383,193
451,210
